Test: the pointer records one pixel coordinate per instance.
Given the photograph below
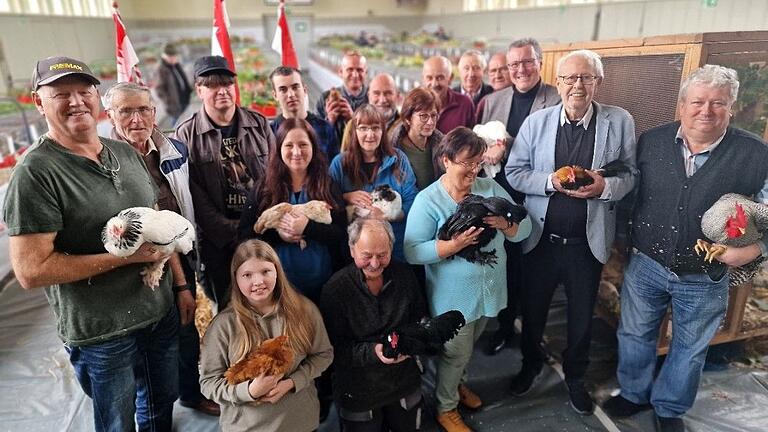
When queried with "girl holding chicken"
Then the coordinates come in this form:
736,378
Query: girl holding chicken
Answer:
264,305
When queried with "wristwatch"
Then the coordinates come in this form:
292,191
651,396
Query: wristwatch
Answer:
179,288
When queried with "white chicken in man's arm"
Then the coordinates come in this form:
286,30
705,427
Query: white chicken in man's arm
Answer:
165,230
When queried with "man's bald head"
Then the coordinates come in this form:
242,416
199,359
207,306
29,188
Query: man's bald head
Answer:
383,94
436,74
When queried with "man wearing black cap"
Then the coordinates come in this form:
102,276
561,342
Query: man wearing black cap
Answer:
228,150
172,88
121,336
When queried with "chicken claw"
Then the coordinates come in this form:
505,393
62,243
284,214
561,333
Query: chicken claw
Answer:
714,252
702,246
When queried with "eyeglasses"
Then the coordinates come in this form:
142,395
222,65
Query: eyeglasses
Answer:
425,117
470,165
585,79
126,113
366,129
525,63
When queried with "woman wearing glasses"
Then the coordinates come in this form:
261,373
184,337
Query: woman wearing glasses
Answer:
368,161
417,136
452,283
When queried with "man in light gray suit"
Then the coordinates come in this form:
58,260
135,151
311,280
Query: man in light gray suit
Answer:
573,229
511,106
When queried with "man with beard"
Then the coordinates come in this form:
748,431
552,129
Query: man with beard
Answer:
383,94
457,109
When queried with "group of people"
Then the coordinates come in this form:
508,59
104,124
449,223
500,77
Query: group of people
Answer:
335,288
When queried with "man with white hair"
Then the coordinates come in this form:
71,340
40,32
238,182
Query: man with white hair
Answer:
457,109
132,112
471,70
573,228
685,167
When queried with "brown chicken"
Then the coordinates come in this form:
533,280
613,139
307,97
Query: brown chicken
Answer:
334,95
315,210
272,357
572,177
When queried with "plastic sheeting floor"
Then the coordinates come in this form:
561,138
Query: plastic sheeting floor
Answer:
38,390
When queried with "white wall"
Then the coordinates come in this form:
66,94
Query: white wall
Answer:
27,38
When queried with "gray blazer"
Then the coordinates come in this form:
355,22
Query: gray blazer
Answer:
532,160
498,103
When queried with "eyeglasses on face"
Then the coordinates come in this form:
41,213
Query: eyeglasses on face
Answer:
425,117
365,129
470,165
126,113
526,63
571,79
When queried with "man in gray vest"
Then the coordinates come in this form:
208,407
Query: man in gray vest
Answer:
573,229
685,167
511,106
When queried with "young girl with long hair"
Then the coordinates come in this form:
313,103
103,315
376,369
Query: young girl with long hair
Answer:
264,305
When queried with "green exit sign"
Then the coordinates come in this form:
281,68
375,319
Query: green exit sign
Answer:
709,3
300,26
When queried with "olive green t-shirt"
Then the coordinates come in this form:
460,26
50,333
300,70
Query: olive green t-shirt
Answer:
55,190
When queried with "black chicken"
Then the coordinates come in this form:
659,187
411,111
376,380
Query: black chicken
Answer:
425,337
470,213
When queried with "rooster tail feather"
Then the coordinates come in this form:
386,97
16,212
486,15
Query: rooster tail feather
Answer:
614,168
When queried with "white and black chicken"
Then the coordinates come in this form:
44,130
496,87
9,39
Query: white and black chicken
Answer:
385,199
737,221
168,231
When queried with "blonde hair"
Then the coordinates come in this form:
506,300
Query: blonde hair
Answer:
292,306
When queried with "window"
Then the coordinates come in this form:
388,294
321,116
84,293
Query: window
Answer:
90,8
487,5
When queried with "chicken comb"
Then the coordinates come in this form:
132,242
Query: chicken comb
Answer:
735,225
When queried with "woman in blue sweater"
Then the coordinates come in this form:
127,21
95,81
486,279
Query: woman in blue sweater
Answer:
369,161
298,173
452,283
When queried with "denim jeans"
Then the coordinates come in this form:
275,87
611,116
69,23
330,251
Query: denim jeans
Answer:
698,305
133,374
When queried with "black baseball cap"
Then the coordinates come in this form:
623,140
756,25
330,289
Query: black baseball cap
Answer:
210,64
52,68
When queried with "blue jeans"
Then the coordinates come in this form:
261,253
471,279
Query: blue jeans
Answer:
133,374
698,306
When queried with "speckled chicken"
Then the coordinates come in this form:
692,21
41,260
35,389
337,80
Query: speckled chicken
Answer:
737,221
168,231
470,213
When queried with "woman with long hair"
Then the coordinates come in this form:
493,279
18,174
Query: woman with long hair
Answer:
368,161
417,136
264,305
298,173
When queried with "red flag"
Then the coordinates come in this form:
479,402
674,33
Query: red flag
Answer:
282,42
220,45
127,60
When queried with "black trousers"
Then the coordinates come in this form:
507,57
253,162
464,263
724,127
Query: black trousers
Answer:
216,273
507,315
395,417
546,266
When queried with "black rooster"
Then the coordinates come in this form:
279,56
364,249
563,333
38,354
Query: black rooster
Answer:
425,337
470,213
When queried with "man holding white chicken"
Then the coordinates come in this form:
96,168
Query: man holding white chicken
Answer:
121,336
132,112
